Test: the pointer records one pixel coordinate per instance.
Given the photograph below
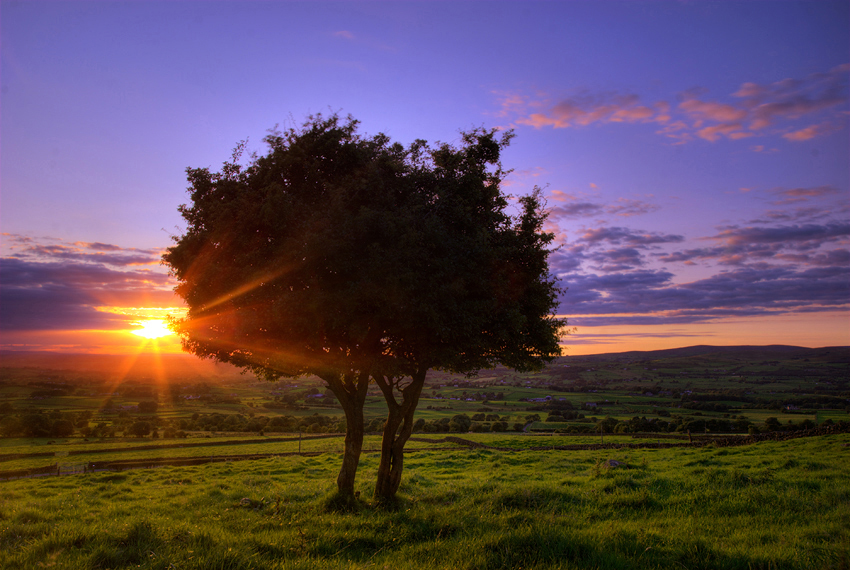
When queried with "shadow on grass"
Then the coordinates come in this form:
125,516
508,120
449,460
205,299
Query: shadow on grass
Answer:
338,502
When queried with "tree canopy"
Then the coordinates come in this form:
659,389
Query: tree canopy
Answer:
354,258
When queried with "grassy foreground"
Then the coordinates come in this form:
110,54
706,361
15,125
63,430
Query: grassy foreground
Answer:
769,505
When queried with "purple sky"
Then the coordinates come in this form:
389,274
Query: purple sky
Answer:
694,154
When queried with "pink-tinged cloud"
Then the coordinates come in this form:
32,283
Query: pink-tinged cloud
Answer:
810,132
345,34
678,131
711,111
715,132
753,110
98,246
762,106
803,194
584,110
561,196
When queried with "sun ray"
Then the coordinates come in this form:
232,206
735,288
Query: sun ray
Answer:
246,288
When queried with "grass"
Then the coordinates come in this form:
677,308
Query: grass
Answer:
770,505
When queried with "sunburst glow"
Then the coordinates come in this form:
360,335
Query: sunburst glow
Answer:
153,328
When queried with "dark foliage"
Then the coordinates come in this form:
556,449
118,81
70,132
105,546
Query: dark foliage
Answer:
354,258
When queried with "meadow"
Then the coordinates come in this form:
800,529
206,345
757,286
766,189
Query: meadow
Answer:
767,505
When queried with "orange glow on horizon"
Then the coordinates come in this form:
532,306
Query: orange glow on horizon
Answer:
811,330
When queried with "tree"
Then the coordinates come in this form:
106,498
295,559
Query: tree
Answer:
62,428
139,429
354,259
148,407
772,424
480,280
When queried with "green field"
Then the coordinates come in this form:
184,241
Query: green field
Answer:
768,505
264,497
700,389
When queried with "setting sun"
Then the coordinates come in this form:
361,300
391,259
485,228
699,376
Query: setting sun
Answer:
153,328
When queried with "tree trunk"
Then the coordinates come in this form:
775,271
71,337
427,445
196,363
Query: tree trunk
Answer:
350,390
397,431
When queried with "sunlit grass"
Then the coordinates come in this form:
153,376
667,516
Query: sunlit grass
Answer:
770,505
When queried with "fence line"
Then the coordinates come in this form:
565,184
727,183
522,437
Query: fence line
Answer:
127,464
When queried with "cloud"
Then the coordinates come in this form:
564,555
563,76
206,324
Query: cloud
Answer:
650,297
810,132
566,260
344,34
833,258
575,207
804,194
577,210
795,260
62,287
804,244
617,259
56,296
608,249
803,214
24,247
98,246
115,258
582,337
710,111
585,109
628,236
797,236
750,111
761,106
626,207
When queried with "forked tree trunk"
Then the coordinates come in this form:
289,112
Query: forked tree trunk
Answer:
350,391
397,431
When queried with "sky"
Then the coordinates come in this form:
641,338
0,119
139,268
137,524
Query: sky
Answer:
694,154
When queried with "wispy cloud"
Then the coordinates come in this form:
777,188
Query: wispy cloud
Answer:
753,110
572,207
25,247
586,109
811,132
794,195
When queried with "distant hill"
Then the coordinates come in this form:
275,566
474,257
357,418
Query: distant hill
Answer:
769,352
185,366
